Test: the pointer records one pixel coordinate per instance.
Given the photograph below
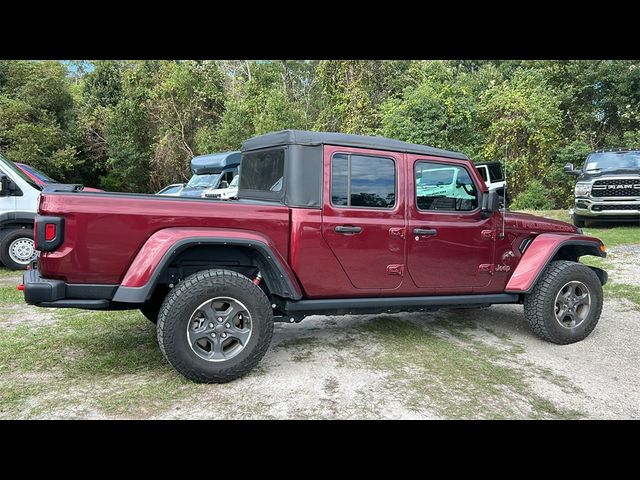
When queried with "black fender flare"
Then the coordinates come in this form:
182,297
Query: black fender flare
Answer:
278,278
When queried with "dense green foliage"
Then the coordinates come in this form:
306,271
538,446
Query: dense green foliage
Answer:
135,125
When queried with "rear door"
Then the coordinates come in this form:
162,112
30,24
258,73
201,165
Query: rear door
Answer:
450,246
364,214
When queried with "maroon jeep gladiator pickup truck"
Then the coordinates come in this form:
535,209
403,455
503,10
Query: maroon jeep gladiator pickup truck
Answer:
325,223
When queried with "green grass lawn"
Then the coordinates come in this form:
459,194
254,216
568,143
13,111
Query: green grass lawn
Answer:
6,273
611,234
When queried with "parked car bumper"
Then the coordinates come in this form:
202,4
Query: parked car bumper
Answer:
47,292
613,209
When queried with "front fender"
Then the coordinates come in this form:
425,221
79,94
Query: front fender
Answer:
162,246
542,250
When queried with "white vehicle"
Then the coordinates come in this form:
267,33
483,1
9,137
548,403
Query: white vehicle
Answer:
172,190
18,205
226,192
493,176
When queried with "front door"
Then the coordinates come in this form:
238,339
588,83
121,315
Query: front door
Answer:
364,215
450,246
7,204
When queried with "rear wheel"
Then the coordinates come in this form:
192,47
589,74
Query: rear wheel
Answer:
17,248
565,304
215,326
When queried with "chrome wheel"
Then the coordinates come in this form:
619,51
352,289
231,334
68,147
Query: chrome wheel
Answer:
572,304
22,250
219,329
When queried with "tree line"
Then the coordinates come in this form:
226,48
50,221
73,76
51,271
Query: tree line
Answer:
135,125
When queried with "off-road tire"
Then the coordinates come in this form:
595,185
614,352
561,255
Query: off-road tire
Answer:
151,308
539,305
183,300
6,242
578,221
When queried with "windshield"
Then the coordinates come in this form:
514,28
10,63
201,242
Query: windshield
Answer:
204,181
9,165
598,162
171,189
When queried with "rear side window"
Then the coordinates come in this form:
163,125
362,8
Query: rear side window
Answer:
483,172
363,181
262,170
444,187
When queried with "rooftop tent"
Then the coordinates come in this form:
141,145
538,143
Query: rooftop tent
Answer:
214,162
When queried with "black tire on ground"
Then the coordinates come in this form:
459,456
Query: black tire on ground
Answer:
183,301
578,221
540,304
8,240
151,308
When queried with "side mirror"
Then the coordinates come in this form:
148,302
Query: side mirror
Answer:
569,169
4,185
224,184
490,203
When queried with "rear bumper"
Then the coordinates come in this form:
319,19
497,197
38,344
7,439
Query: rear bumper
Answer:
46,292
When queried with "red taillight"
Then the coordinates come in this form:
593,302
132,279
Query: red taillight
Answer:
21,287
49,232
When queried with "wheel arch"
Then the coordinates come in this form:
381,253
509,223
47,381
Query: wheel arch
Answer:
211,249
548,247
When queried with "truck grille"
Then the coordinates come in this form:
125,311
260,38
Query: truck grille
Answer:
616,188
616,207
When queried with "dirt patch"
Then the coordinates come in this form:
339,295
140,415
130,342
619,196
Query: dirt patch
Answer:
14,316
304,375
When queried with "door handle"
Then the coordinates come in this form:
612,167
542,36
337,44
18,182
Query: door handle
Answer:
424,231
346,229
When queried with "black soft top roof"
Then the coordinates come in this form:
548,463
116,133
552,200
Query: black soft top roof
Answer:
305,137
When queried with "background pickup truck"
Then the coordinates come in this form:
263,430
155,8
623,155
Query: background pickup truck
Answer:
325,223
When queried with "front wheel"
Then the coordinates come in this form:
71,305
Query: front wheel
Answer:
578,221
17,248
215,326
565,304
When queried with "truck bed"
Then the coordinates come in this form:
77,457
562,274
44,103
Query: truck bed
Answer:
105,231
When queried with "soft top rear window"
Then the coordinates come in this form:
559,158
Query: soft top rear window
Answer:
262,170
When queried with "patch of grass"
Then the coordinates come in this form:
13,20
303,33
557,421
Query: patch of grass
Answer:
90,348
468,380
14,395
6,273
628,292
10,295
145,398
